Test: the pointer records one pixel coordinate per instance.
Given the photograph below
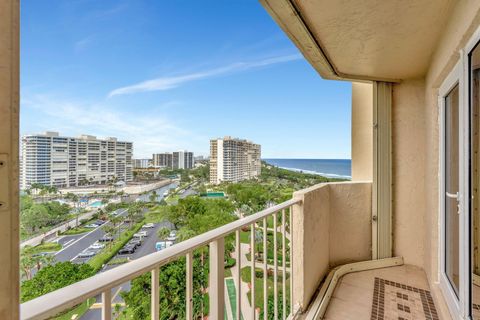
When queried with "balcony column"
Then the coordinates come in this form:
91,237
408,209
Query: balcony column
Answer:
382,171
9,168
362,131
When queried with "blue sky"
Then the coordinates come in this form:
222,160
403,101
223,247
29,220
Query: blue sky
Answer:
170,75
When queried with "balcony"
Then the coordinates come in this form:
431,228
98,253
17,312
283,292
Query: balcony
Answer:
325,233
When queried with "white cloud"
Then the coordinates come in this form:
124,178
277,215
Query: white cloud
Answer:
150,131
167,83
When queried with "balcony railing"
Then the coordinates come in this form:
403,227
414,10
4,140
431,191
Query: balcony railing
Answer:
281,217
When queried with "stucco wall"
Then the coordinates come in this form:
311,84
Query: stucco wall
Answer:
416,150
408,170
332,226
362,131
350,231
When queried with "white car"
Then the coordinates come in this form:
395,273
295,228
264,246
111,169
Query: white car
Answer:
148,226
92,226
97,246
142,233
172,236
86,254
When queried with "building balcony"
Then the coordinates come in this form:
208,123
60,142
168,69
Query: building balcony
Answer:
324,232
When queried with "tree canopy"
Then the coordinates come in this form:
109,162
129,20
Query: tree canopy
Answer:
53,277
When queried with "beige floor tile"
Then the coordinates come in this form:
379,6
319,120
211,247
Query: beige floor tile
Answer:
405,295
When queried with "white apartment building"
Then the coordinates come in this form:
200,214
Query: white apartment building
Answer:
182,160
53,160
174,160
141,163
234,160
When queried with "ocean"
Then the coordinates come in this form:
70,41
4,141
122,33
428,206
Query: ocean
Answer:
330,168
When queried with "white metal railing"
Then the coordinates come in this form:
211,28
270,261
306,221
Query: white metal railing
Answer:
63,299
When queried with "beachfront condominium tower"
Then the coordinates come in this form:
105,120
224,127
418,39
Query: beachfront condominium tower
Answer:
233,160
53,160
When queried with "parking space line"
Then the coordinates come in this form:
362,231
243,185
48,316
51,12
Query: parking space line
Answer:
64,248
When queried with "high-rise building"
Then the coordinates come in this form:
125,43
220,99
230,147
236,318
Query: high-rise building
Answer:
162,160
176,160
53,160
141,163
182,160
234,160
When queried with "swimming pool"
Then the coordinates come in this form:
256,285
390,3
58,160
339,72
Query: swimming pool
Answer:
96,204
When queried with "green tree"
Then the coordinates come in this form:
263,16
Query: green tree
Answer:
153,196
54,277
34,217
27,263
163,233
172,291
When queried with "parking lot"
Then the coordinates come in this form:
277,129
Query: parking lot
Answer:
74,245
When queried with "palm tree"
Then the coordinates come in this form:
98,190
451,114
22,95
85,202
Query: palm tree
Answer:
109,230
27,263
153,196
116,221
163,233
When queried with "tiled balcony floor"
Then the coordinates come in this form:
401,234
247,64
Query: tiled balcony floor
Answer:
396,293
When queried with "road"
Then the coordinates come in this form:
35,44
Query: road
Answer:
188,192
75,244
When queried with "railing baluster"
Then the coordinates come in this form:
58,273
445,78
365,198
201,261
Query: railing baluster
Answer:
284,272
265,270
275,268
189,283
252,274
238,287
217,284
107,304
155,295
290,231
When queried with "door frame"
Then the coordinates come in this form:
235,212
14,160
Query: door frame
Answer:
457,305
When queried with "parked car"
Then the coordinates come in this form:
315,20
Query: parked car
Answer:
160,245
141,234
97,246
86,254
135,242
105,239
128,249
148,226
172,236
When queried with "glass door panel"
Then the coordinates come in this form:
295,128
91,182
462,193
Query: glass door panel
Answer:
475,178
452,230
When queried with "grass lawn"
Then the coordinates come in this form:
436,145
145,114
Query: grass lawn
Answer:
74,231
228,273
118,261
78,310
245,274
45,247
245,238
